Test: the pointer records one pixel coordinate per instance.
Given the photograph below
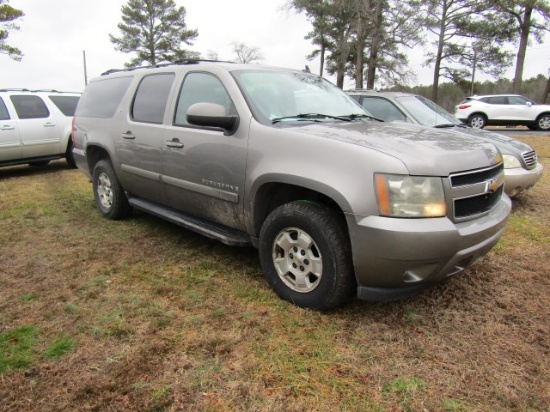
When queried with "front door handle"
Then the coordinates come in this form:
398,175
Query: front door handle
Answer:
128,135
174,143
8,127
49,124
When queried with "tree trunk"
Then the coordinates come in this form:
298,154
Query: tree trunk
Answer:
546,91
359,50
523,40
322,58
439,56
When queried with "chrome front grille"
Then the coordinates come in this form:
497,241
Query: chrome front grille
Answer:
476,192
530,159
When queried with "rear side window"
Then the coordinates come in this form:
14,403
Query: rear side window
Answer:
497,100
4,115
151,98
102,97
66,104
29,107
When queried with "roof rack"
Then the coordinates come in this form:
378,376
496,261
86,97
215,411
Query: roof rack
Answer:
176,63
14,90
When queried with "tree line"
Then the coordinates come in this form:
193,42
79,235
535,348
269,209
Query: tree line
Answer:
366,40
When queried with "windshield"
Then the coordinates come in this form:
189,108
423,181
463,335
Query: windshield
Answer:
283,96
426,112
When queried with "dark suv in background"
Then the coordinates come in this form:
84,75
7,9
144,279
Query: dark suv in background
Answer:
521,167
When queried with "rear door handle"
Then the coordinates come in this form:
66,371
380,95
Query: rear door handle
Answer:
49,124
128,135
175,143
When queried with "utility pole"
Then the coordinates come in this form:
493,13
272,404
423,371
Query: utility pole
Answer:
85,72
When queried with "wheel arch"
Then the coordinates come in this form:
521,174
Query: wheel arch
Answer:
271,195
94,154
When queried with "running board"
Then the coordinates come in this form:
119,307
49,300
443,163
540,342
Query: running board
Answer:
224,234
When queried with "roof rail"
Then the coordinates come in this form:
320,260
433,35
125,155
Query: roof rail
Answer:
362,90
14,90
176,63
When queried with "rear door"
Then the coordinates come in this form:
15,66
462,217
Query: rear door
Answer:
140,142
38,128
10,143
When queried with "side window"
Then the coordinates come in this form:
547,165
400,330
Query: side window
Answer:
29,107
151,98
497,100
383,109
66,104
4,115
102,97
201,88
517,100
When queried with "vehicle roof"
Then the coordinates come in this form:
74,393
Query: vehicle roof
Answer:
229,66
379,93
39,91
479,96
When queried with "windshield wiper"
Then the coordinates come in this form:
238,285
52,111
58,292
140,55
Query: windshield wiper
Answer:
310,116
362,116
446,126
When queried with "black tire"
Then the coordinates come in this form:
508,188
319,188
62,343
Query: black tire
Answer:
69,155
477,121
543,122
108,192
310,242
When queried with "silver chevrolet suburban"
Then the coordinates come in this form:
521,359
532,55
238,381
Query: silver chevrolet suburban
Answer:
338,203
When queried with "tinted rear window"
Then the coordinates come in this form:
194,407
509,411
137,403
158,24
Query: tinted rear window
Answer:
29,107
67,104
102,97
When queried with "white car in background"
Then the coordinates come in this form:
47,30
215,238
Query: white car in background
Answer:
503,110
35,126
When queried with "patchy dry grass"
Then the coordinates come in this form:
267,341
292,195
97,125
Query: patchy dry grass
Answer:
142,315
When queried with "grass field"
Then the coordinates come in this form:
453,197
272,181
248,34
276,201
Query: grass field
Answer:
139,314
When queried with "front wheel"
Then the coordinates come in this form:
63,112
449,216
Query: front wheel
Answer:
108,193
306,256
543,122
477,121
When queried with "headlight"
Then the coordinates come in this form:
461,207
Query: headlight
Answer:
511,161
410,196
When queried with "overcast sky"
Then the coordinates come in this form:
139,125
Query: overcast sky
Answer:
55,33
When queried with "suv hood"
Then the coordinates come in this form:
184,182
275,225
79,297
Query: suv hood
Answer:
424,151
505,144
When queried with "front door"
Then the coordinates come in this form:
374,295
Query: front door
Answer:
204,169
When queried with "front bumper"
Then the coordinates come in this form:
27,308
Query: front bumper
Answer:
395,256
518,180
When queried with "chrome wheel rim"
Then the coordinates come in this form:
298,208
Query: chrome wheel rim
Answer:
544,123
104,191
477,122
297,260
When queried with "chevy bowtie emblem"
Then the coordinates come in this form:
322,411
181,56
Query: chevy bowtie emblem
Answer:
493,185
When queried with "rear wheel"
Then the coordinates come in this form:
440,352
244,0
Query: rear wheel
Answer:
478,121
543,122
69,155
108,192
306,256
